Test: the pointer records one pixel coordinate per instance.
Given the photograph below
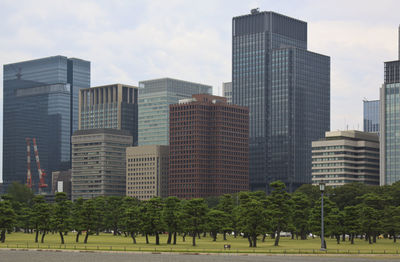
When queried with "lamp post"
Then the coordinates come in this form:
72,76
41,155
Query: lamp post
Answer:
322,189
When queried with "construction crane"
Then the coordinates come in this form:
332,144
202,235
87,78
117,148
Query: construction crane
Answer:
42,174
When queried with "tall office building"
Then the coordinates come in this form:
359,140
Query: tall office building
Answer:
287,89
371,116
40,100
208,147
154,98
390,123
98,162
111,106
344,157
227,91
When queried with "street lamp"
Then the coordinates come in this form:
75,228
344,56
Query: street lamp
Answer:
322,189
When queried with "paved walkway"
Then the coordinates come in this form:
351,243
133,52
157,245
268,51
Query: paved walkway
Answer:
77,256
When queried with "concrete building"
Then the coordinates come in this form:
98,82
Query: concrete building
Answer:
111,106
287,90
40,100
154,98
147,171
98,162
227,91
344,157
390,123
371,116
208,147
61,182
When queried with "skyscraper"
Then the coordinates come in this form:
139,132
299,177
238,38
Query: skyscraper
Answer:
111,106
41,101
154,98
389,123
227,91
287,89
371,116
208,147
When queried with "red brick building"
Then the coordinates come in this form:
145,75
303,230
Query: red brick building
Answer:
209,147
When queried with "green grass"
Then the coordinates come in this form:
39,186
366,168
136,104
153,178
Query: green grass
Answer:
238,245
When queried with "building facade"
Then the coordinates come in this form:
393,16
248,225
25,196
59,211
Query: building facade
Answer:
287,90
98,162
154,98
344,157
147,171
40,100
227,91
390,123
111,106
208,148
61,182
371,116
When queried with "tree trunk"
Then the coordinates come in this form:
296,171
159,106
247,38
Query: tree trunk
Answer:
43,235
3,236
278,236
37,236
369,239
194,239
224,234
235,233
147,238
352,238
184,237
198,235
77,236
255,241
62,237
174,238
250,242
204,234
157,238
264,236
133,237
344,237
394,238
374,239
169,238
214,236
86,237
338,239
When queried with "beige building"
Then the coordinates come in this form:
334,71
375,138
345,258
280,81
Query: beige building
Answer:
98,162
344,157
147,171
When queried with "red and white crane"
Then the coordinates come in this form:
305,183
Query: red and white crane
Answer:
41,172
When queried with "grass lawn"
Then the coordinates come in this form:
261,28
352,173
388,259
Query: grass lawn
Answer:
240,245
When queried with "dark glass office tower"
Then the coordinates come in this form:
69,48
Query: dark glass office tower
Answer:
287,90
371,116
41,101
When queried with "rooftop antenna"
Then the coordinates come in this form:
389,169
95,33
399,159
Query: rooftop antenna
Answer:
255,11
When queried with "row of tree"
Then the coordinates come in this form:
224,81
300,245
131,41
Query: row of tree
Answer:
353,210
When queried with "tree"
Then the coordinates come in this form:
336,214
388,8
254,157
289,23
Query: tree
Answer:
351,221
88,216
41,212
7,219
252,217
154,222
61,218
194,215
76,214
371,211
171,215
391,221
113,213
226,205
280,206
20,193
131,217
301,212
348,194
216,220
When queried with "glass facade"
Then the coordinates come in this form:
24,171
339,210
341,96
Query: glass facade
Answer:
39,103
371,116
287,90
155,96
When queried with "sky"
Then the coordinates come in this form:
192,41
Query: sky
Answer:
128,41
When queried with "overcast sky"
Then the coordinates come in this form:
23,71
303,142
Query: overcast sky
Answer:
129,41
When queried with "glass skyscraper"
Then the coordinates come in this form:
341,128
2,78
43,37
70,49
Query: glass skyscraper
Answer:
287,90
390,123
41,101
371,116
155,96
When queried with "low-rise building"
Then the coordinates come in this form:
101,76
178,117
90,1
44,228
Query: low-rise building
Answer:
147,171
344,157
